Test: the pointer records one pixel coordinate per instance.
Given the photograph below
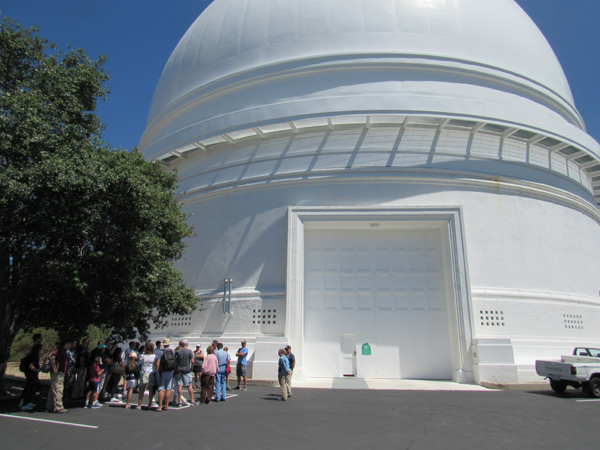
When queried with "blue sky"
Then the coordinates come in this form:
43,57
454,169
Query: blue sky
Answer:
139,36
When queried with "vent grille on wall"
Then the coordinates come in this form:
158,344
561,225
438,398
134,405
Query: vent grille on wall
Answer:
265,316
573,321
180,321
491,318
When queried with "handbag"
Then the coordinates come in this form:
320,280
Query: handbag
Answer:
47,366
116,367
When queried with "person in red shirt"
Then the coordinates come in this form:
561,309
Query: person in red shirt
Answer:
60,365
95,372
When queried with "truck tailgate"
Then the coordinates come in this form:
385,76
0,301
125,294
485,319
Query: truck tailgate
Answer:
553,369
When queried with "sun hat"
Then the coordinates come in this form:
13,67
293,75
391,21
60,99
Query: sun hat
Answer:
166,341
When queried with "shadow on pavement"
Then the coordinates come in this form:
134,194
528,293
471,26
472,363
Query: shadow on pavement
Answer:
569,394
276,397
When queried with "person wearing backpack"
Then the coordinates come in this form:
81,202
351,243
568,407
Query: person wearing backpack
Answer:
30,366
164,367
183,377
82,361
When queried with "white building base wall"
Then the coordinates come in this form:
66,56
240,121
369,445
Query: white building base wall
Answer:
493,361
265,359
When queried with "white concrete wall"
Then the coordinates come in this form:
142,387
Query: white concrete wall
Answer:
532,255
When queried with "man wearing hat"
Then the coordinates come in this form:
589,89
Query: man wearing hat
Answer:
164,369
240,369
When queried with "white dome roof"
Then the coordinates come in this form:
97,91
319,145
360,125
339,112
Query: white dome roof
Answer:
241,51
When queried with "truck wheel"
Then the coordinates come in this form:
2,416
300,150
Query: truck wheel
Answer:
595,387
560,386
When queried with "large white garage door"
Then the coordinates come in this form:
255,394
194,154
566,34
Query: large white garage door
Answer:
384,288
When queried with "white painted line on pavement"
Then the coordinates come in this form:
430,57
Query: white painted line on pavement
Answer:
49,421
590,400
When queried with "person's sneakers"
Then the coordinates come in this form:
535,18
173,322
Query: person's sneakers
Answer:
244,389
228,388
88,406
28,407
238,387
115,400
97,405
194,403
61,411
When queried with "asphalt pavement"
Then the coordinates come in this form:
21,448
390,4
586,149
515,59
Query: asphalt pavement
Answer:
320,419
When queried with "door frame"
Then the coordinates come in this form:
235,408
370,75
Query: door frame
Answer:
450,218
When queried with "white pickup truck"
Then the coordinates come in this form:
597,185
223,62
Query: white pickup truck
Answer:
580,370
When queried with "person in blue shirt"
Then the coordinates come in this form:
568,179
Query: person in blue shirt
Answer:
284,375
240,369
220,378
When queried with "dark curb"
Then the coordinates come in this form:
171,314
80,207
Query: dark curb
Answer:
516,386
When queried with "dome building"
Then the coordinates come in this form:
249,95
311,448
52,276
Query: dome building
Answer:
397,188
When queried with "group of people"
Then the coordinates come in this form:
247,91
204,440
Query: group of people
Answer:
148,369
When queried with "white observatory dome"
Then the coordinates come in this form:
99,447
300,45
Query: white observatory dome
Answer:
244,63
409,178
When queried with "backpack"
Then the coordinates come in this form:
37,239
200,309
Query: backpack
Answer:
24,364
168,361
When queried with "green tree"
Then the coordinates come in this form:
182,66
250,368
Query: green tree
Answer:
88,234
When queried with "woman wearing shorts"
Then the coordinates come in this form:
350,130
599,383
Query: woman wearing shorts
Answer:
147,374
132,373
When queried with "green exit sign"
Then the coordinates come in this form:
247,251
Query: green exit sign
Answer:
366,349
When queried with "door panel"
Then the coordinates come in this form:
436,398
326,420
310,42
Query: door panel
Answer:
385,287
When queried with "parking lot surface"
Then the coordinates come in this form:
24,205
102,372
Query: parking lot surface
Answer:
320,419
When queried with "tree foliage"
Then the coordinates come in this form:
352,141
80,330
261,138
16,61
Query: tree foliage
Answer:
88,234
23,340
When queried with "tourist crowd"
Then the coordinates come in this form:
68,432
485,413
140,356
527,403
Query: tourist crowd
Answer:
160,375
